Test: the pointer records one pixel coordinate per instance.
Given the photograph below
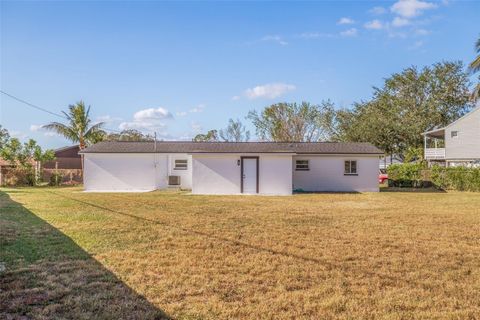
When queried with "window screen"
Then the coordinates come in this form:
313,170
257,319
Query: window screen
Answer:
301,165
181,164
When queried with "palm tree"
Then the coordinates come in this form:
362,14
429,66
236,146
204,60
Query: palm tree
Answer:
475,67
78,129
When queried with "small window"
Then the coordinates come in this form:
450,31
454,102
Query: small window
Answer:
454,134
301,165
350,167
181,164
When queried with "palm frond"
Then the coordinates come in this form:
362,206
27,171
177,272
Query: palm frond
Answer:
63,130
475,95
475,65
95,128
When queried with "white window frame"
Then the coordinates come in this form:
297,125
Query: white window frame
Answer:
454,134
183,164
302,167
349,172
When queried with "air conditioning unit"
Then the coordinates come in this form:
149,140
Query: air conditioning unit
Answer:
173,180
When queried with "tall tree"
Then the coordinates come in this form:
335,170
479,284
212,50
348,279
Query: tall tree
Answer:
4,137
288,122
235,132
408,104
475,67
210,136
78,129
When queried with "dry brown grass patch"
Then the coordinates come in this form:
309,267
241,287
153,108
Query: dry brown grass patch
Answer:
327,256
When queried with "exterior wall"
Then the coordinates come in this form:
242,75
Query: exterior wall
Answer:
119,172
185,175
220,174
327,174
133,172
275,175
466,146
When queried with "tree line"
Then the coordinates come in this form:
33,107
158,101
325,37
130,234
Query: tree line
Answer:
406,105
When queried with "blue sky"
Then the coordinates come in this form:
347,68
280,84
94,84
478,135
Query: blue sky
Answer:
186,67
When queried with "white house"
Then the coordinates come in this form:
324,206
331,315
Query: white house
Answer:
231,167
456,144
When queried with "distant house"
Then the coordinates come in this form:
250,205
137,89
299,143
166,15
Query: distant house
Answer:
65,158
231,167
388,160
456,144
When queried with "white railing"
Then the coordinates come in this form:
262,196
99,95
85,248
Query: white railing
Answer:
434,153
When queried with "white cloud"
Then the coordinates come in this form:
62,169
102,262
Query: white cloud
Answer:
400,22
152,113
235,98
411,8
352,32
378,10
35,127
46,133
269,91
147,120
345,20
197,109
181,114
275,38
374,25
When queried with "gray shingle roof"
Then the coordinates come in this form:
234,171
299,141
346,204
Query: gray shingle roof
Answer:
233,147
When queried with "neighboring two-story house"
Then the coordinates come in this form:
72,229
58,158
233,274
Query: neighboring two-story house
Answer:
456,144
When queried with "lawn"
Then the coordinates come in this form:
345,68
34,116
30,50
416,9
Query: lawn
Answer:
388,255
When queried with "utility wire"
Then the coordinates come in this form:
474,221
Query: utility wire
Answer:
45,110
32,105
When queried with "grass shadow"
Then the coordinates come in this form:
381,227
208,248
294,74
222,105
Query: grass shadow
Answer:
412,190
45,275
326,192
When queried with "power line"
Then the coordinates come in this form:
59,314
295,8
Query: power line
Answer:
32,105
45,110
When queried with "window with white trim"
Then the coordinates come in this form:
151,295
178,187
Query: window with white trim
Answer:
181,164
350,167
454,134
301,165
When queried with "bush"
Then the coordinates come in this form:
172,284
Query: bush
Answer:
55,179
415,175
408,175
456,178
20,176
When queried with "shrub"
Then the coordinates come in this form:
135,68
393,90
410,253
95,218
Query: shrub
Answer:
56,179
456,178
410,175
20,176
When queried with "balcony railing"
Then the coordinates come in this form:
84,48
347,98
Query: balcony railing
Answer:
435,153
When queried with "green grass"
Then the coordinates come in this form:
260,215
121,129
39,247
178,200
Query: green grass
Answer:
388,255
